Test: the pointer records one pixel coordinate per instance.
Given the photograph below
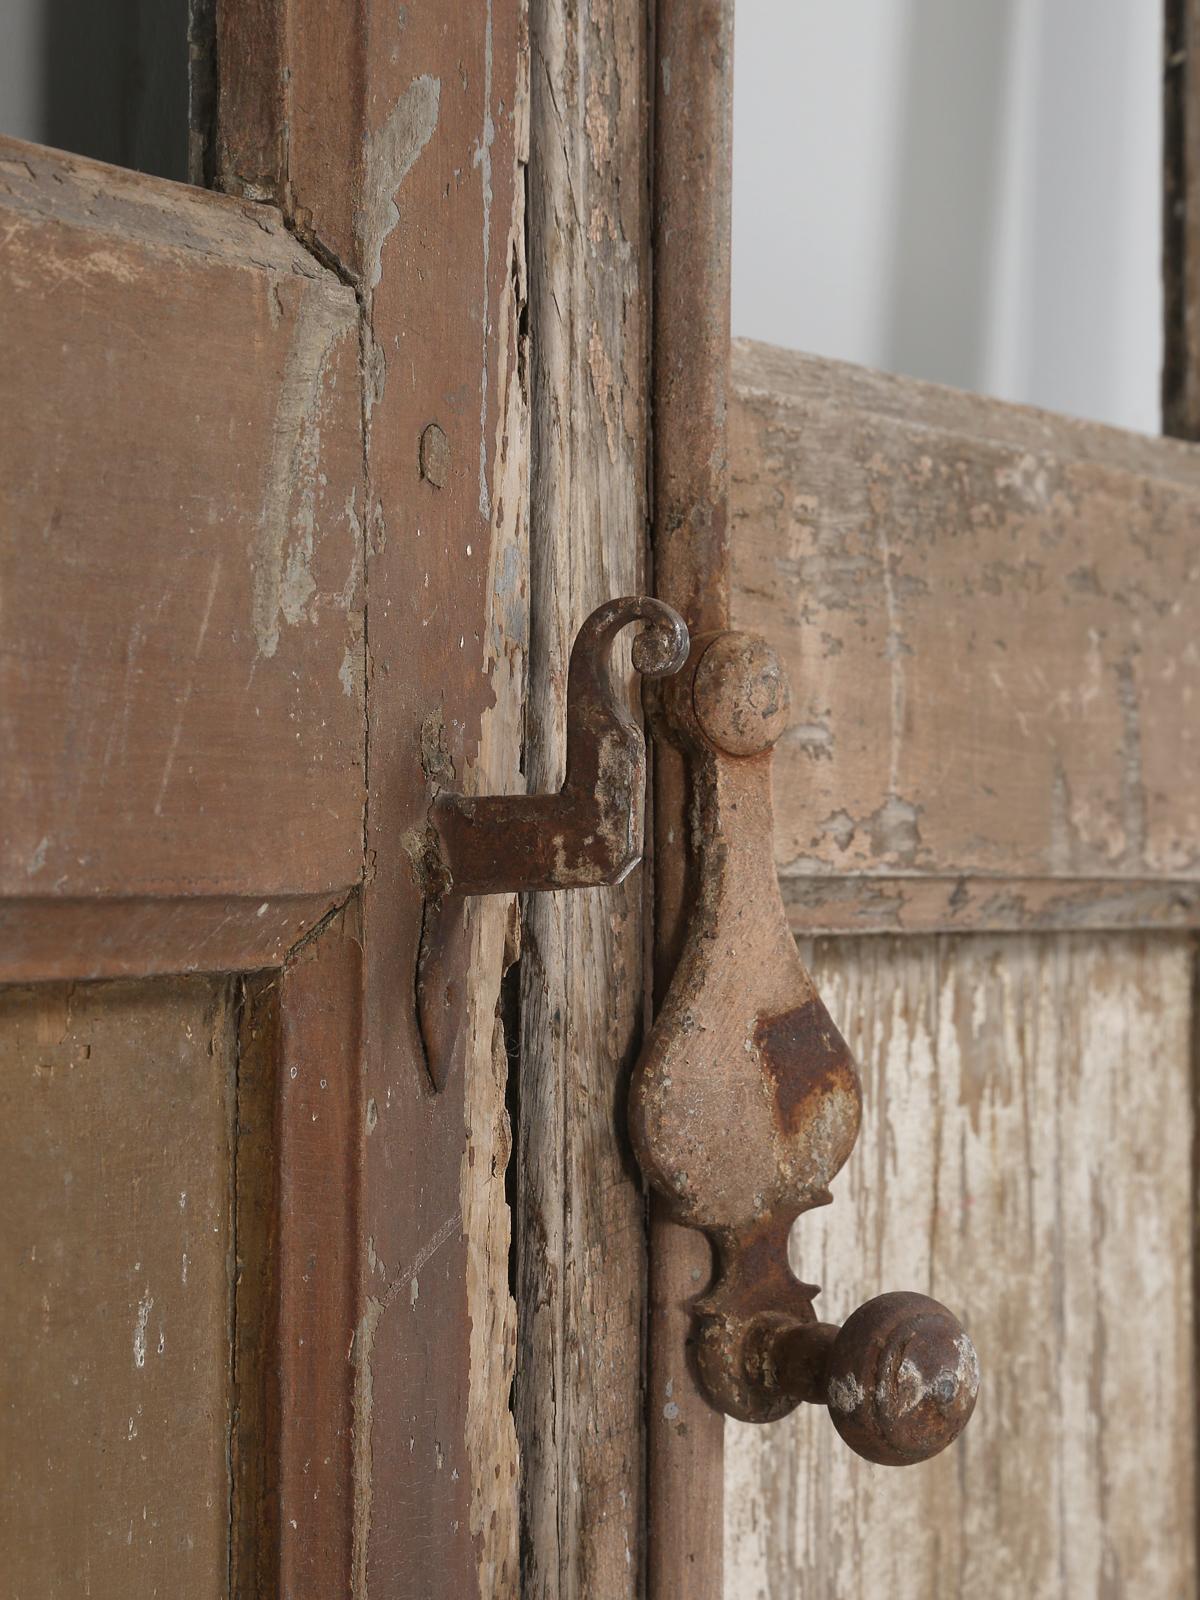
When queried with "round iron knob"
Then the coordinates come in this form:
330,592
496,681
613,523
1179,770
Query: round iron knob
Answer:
901,1379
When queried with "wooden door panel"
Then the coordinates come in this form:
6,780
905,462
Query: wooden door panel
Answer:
181,578
180,1167
988,614
1025,1157
116,1275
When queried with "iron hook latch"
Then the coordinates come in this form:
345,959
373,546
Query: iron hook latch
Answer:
746,1102
589,833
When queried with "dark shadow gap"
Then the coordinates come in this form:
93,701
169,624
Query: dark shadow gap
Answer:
115,76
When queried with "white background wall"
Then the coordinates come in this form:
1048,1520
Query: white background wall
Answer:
964,190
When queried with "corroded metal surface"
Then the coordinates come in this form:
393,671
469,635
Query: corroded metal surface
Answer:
692,184
746,1103
589,833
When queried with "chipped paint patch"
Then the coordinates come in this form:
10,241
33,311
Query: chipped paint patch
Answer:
145,1306
282,551
392,153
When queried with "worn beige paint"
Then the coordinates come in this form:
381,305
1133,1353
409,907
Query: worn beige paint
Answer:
1025,1157
988,616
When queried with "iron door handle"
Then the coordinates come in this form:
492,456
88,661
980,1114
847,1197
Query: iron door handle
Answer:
746,1102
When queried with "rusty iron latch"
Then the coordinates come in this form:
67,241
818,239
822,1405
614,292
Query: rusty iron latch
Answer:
746,1102
590,833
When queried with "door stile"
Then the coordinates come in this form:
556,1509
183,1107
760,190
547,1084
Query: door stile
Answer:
693,134
397,149
579,1212
1181,420
301,1273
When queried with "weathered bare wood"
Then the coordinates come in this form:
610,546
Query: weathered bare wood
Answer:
580,1216
988,618
181,672
401,160
1026,1140
116,1122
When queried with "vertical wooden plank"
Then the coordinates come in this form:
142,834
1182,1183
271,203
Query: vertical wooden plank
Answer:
441,242
116,1110
693,137
581,1239
395,138
1025,1157
300,1269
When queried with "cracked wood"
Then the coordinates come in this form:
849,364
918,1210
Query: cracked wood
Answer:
579,1209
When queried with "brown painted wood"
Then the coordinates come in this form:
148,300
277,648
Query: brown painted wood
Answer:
116,937
988,618
403,165
579,1208
181,674
116,1125
1024,1157
301,1271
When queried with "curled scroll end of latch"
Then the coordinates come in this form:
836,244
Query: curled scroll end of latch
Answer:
586,835
661,648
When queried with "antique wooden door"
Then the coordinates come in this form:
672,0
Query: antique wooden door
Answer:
309,473
265,575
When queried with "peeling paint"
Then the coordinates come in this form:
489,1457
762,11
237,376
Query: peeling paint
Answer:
392,152
145,1306
282,550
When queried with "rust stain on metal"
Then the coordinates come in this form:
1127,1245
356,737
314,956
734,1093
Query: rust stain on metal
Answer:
746,1103
590,833
803,1055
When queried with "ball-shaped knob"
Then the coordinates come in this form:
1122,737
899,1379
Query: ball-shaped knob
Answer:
901,1379
740,694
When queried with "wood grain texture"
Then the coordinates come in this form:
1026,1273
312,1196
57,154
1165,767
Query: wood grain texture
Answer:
301,1269
115,937
400,160
987,614
1025,1156
116,1127
580,1214
181,647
